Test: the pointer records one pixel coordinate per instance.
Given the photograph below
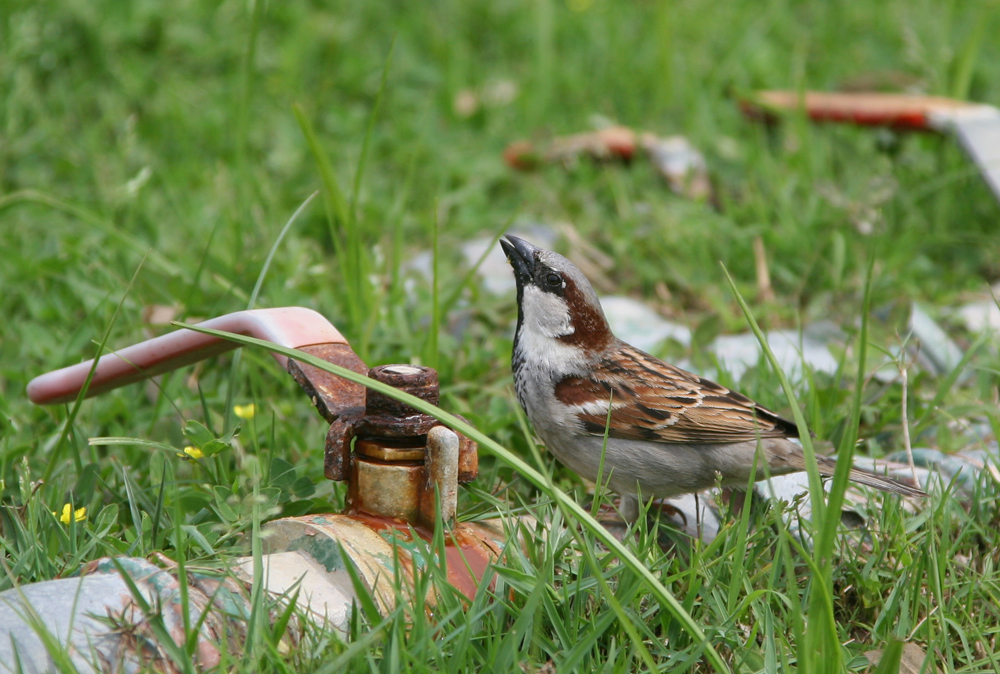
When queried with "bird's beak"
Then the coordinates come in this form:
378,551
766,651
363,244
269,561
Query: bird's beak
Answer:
521,256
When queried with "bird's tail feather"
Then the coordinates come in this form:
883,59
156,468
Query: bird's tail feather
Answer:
786,456
885,483
871,479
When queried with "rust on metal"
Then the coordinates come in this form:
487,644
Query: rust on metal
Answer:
418,381
468,458
385,550
332,396
389,472
337,457
386,417
469,551
387,489
395,427
470,548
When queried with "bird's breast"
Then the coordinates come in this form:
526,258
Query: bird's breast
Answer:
534,381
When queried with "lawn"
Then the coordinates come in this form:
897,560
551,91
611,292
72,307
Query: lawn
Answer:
151,154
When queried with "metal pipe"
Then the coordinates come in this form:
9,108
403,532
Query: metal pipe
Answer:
294,327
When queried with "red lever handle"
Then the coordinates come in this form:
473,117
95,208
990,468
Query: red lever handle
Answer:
900,111
294,327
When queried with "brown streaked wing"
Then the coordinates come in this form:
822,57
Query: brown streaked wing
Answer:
653,400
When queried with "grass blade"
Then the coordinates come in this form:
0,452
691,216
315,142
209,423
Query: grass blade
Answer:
333,197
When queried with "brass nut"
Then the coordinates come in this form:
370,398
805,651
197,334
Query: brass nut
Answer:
390,490
385,451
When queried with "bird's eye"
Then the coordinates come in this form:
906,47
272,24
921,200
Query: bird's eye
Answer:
554,280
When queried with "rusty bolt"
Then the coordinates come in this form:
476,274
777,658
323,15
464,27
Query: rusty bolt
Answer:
389,429
388,418
418,381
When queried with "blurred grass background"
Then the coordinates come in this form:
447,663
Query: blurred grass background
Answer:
161,137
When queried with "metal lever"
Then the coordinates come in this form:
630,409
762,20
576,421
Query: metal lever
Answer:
293,327
975,125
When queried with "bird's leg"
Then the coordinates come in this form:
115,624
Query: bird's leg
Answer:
736,499
697,515
629,508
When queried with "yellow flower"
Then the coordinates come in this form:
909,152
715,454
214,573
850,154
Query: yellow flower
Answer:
245,411
191,453
79,515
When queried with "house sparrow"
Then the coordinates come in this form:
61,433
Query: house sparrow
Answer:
670,432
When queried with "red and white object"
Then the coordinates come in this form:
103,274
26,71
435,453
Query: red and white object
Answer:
293,327
975,125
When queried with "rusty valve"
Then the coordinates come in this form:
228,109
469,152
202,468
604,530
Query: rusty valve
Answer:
403,465
398,463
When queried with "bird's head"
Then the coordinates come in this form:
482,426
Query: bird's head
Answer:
555,301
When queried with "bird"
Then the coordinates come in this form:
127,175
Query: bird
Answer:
669,432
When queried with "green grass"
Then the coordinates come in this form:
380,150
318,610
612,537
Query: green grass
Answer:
172,142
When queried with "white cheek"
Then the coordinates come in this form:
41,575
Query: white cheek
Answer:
546,319
545,314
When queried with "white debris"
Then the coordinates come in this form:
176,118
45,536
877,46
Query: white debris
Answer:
640,326
980,316
680,163
737,353
938,353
